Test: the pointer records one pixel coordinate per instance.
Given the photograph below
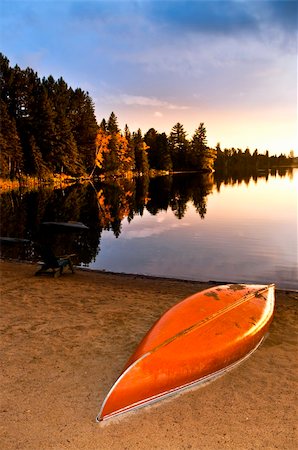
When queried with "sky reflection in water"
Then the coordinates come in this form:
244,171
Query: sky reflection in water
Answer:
249,234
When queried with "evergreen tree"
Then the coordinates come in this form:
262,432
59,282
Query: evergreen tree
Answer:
164,162
65,157
5,72
150,139
84,126
34,160
110,162
44,124
127,132
130,149
25,86
103,125
141,156
158,153
202,157
11,155
48,127
112,125
178,147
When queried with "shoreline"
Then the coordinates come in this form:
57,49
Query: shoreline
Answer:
184,280
65,340
57,181
154,277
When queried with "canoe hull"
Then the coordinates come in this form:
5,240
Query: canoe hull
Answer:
199,338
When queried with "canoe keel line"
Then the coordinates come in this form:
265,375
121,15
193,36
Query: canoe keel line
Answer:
196,340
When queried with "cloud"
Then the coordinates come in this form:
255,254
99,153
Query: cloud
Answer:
284,13
224,17
204,16
139,100
159,62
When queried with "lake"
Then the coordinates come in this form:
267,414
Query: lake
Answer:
232,228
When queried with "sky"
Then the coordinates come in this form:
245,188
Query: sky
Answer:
230,64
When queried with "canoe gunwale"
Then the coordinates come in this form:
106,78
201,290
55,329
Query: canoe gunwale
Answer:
98,419
150,400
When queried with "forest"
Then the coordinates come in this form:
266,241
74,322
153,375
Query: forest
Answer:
49,128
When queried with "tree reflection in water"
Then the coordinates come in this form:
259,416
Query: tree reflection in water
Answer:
104,206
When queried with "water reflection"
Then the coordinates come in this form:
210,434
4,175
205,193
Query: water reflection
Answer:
104,206
101,207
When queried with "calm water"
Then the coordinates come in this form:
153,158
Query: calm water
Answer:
238,229
249,234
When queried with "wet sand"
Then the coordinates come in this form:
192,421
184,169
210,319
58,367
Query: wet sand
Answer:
64,341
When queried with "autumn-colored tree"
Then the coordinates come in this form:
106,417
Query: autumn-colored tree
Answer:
123,153
48,127
101,144
113,152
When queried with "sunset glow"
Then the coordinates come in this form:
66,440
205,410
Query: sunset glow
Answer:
230,64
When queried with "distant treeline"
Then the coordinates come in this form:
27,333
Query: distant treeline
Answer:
48,128
238,160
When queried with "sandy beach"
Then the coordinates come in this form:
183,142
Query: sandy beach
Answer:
65,340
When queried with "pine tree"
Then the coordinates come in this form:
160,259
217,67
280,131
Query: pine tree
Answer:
6,81
158,153
130,148
35,163
65,156
127,132
178,147
84,126
112,125
11,155
25,84
141,156
111,163
103,125
164,160
43,126
202,157
153,154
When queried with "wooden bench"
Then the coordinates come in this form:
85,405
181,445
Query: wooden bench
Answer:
52,264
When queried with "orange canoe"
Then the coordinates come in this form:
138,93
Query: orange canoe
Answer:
199,338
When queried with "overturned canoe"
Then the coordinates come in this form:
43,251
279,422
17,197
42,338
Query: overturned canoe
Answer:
197,339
